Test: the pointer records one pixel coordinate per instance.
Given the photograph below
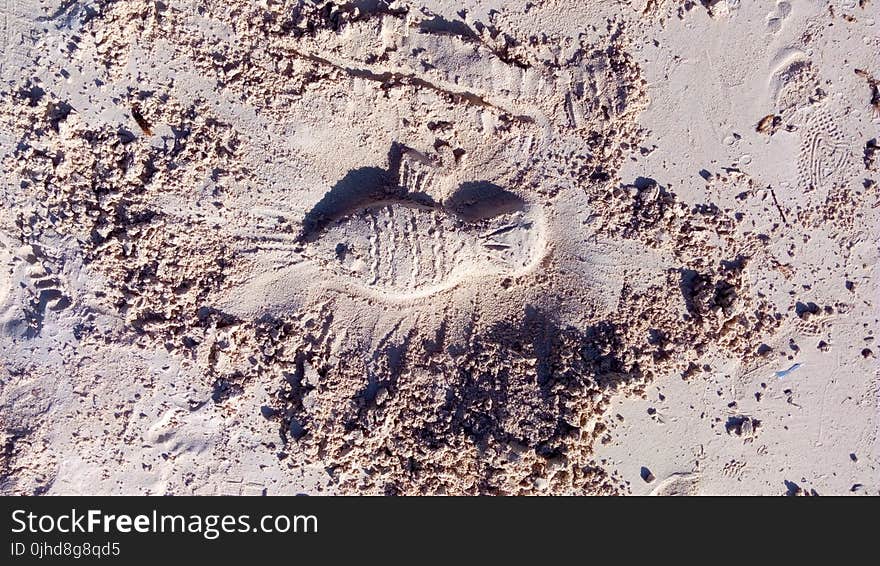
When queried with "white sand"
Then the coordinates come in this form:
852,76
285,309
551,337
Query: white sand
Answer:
439,247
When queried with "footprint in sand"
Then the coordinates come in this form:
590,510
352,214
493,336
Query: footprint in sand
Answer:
678,484
804,107
41,290
824,151
794,82
777,17
408,239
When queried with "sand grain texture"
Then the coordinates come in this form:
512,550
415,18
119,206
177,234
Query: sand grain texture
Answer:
432,248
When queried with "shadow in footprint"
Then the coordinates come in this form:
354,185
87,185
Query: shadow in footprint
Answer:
472,201
481,200
356,189
441,26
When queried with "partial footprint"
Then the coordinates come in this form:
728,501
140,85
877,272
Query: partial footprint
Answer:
824,151
587,92
17,36
164,428
678,484
776,18
48,295
239,487
794,83
42,288
400,246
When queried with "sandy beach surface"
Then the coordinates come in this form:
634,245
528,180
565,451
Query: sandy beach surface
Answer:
432,247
